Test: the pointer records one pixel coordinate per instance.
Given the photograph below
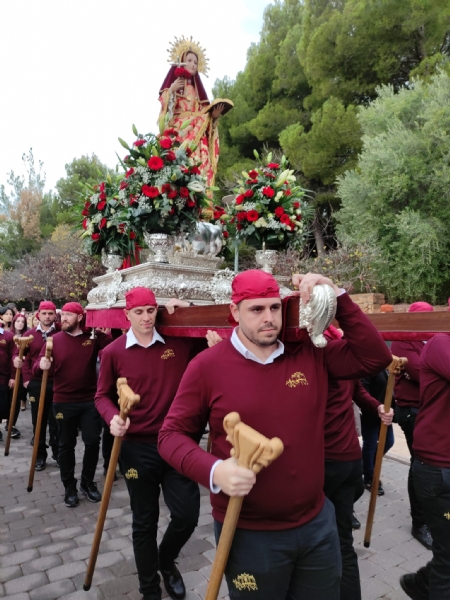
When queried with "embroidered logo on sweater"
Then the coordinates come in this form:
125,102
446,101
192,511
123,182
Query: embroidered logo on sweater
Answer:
168,354
87,343
2,341
32,399
59,416
131,474
447,516
296,379
245,582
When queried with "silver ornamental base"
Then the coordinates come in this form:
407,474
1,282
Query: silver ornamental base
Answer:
160,244
267,259
111,261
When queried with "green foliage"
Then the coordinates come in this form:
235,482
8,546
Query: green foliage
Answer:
400,191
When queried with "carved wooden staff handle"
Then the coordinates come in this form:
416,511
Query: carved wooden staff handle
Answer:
394,369
127,401
253,451
22,343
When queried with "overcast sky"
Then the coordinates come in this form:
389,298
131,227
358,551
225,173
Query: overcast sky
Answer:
75,75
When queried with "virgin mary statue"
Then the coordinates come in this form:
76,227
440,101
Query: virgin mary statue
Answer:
185,107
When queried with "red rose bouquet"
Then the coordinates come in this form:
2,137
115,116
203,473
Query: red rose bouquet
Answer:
269,207
163,188
105,224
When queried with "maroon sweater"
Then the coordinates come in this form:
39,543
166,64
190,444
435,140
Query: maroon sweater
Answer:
32,355
406,390
341,439
154,373
432,428
6,353
74,362
287,399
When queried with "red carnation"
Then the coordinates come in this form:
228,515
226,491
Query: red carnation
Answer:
123,185
102,196
170,131
139,143
240,199
251,181
190,203
188,151
270,175
172,195
253,174
102,223
95,236
279,211
273,166
87,204
296,204
132,235
101,205
241,216
150,191
165,188
84,223
225,234
285,219
155,163
268,192
239,227
287,193
249,194
298,217
195,170
171,155
85,212
129,172
133,199
165,143
184,192
252,215
182,72
102,187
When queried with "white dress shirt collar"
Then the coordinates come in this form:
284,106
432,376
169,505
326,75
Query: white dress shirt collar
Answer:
132,340
246,353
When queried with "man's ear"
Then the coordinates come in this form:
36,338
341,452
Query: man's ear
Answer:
126,314
234,309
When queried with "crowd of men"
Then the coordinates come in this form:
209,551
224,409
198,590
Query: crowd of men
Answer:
294,535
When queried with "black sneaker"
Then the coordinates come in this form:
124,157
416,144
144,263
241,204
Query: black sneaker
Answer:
40,464
409,586
173,582
15,433
368,486
90,491
423,535
355,523
71,497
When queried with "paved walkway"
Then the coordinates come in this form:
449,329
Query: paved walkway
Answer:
44,546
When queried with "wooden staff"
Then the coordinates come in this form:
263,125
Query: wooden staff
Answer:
37,429
394,369
253,451
127,401
22,343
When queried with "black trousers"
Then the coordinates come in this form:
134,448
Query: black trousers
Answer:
70,417
343,481
34,393
145,473
4,402
406,418
303,563
432,486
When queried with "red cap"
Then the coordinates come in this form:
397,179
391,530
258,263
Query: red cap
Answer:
73,307
139,296
420,307
254,284
46,305
384,308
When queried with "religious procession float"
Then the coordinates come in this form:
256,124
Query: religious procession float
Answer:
160,224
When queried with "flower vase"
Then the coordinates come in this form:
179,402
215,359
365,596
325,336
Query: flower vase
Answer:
111,260
160,244
267,259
